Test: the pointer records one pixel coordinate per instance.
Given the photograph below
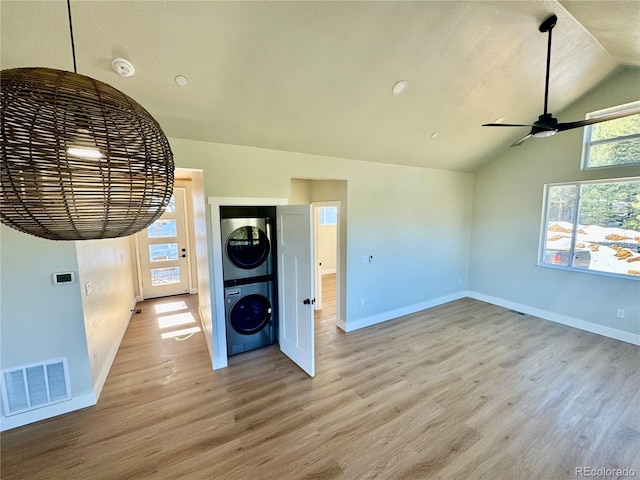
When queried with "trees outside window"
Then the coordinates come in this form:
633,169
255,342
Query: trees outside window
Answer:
612,143
593,226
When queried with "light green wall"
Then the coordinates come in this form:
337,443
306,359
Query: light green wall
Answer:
107,267
415,222
507,216
300,191
40,320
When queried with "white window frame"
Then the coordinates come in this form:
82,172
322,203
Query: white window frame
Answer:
588,131
544,230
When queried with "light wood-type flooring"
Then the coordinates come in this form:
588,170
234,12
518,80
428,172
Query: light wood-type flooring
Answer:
463,391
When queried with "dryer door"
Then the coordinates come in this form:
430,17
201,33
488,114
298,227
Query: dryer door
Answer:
248,247
250,314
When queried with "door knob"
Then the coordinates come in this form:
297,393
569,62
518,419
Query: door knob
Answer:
307,301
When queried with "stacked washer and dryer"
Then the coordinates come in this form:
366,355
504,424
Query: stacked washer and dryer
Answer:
248,272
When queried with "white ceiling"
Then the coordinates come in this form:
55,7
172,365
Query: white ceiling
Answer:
316,77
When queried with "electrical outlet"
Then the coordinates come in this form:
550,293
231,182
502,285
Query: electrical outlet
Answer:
620,313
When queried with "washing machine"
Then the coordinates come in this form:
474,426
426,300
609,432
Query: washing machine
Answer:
247,249
250,316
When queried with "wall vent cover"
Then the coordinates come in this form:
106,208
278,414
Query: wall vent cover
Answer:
35,386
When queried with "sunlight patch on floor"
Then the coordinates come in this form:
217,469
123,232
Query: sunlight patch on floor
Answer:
176,320
170,307
180,333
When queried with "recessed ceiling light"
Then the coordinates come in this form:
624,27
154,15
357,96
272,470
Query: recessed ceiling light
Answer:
181,80
400,87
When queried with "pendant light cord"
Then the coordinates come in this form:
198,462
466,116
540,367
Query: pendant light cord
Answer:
73,46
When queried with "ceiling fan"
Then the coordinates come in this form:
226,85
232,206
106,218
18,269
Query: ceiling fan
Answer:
547,124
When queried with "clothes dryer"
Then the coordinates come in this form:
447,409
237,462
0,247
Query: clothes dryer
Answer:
250,317
247,249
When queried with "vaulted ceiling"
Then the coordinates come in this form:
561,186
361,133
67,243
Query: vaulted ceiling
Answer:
316,77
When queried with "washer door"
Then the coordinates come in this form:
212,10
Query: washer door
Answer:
248,247
250,314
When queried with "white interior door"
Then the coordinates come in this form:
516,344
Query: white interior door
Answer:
164,262
295,285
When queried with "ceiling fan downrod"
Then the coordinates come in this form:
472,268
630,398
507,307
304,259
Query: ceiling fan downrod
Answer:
547,26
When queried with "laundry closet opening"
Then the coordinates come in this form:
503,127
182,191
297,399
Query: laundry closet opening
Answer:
287,283
249,273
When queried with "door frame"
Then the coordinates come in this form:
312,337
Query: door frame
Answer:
219,333
316,232
188,236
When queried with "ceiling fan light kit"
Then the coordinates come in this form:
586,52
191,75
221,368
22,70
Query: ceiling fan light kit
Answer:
547,125
80,159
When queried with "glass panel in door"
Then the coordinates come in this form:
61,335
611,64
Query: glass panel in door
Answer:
164,266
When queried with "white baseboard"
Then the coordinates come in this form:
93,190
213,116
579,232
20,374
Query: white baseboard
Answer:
342,325
399,312
111,356
76,403
557,318
208,339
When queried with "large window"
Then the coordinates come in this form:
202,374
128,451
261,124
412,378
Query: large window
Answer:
612,143
593,226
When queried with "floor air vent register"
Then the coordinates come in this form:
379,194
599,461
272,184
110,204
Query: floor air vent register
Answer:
34,386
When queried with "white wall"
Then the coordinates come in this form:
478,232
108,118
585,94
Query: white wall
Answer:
107,267
415,222
507,217
41,320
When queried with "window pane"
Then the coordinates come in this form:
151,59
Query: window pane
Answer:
171,208
618,153
561,206
163,251
328,215
609,227
165,276
614,142
162,228
619,127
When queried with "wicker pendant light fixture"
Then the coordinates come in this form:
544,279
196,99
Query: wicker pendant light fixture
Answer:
80,159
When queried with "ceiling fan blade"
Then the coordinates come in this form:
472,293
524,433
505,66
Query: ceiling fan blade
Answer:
505,125
517,143
590,121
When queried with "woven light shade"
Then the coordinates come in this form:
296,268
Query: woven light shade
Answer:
116,185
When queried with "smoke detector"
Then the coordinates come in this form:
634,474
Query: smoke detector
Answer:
123,67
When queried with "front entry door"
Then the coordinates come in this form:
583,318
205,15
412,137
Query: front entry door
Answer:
164,261
295,285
